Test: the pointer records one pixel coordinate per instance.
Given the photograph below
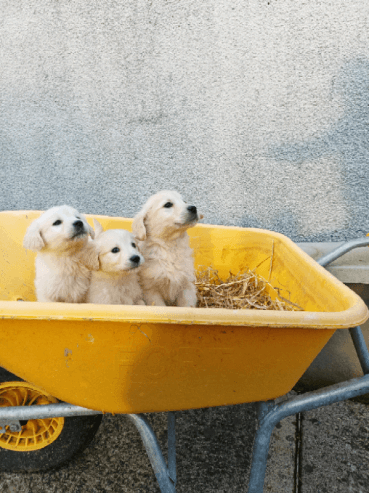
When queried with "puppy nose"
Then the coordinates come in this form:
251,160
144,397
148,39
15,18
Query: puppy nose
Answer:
192,209
135,259
78,224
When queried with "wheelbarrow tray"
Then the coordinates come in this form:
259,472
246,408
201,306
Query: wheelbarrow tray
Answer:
133,359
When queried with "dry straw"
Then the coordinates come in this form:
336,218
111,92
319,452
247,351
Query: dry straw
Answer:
242,291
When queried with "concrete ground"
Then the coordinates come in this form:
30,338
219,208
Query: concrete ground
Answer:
214,452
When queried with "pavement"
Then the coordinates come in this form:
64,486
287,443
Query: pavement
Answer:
214,452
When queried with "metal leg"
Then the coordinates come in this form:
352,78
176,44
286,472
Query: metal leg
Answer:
172,447
361,349
271,414
163,475
260,449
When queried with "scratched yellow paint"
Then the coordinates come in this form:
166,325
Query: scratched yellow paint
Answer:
125,359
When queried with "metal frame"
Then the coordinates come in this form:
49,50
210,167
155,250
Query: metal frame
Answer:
165,475
270,413
342,249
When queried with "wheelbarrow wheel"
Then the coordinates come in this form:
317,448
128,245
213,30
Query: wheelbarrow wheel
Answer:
42,443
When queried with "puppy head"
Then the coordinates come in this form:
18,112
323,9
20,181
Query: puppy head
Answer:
58,229
116,250
164,215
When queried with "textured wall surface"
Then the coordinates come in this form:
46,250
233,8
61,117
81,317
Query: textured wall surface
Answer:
256,110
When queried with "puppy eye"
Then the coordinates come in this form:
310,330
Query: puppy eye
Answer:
115,250
57,222
168,204
134,245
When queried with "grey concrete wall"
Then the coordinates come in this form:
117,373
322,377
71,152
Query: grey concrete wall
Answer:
256,110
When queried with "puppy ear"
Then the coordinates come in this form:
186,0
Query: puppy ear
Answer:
90,230
138,226
98,228
33,239
89,256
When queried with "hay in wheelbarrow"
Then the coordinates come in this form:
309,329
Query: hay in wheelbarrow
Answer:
246,290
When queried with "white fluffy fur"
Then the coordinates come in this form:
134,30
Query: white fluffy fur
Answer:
116,281
63,260
168,276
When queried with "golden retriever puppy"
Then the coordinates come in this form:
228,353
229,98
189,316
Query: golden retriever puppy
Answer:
63,261
116,281
168,276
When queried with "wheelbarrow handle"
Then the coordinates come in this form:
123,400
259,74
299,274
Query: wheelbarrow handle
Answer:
342,249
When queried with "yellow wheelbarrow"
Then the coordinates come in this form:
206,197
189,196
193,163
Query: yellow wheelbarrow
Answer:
66,364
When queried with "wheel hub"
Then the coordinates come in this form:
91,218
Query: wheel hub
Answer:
28,435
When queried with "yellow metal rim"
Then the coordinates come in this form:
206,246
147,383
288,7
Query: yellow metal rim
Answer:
36,433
